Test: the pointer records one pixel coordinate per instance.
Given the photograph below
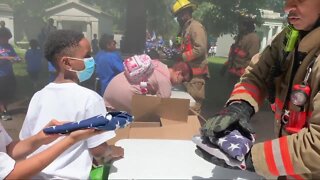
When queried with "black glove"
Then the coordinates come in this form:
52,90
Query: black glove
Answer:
234,116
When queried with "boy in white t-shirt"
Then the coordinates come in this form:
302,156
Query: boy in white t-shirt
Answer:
18,150
69,52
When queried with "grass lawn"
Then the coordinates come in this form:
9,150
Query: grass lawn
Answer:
217,90
24,86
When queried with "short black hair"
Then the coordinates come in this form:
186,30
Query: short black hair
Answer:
33,43
104,40
61,43
248,23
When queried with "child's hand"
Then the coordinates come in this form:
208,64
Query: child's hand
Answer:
48,138
9,58
79,135
116,151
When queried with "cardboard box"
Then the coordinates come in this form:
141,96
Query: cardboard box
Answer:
159,118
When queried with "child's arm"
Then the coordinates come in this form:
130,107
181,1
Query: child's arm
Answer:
33,165
9,58
20,149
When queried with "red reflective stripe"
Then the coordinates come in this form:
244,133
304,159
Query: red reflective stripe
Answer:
189,55
278,108
246,85
241,53
253,95
277,115
268,153
251,89
279,103
199,71
285,154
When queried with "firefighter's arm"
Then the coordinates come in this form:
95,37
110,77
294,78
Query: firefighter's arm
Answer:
291,155
199,44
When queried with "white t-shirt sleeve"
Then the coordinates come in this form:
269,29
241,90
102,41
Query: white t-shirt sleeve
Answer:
98,108
5,139
6,165
6,162
31,117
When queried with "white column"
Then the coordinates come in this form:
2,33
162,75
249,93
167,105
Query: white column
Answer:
270,34
279,29
89,31
95,29
263,42
59,25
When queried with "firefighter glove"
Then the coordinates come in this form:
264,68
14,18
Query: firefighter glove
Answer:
234,116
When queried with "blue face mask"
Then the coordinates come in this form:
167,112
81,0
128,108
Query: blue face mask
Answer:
88,70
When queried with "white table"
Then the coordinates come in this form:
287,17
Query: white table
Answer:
183,95
167,159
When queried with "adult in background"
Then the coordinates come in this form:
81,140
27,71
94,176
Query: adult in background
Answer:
246,45
45,31
33,58
194,48
118,95
7,30
287,72
94,44
108,62
7,77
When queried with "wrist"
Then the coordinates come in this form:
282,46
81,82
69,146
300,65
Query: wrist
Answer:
37,140
69,140
243,105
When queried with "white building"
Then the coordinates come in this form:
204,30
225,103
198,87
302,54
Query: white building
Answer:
272,25
82,17
6,15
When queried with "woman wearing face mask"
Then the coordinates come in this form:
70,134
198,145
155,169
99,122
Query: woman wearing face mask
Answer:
69,52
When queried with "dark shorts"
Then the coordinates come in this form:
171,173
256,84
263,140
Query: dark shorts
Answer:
7,87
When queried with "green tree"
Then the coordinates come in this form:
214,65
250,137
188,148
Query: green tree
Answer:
29,16
220,17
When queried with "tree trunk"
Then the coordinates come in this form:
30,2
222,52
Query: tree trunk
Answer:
135,35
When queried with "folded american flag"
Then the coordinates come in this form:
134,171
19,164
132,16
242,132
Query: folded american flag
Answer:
112,121
235,145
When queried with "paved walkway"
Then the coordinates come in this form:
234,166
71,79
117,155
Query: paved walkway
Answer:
18,110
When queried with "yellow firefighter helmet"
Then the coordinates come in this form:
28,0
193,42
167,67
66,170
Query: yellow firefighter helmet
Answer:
180,5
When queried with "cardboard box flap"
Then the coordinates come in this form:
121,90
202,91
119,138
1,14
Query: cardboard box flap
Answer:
174,109
169,122
144,108
183,131
144,124
150,108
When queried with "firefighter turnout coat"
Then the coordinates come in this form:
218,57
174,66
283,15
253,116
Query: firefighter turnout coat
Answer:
294,155
242,51
194,48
